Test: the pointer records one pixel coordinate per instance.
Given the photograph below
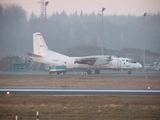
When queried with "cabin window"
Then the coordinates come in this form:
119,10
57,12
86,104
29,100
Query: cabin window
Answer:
65,62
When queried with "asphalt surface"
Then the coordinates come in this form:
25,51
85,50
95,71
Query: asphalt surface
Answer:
79,91
70,74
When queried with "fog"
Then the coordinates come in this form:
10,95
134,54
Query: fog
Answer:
65,31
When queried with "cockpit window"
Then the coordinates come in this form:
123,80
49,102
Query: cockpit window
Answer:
131,61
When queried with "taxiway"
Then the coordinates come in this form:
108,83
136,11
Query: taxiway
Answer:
69,74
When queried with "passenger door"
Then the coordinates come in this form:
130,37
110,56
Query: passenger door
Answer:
119,64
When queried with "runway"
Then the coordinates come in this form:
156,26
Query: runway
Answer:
79,91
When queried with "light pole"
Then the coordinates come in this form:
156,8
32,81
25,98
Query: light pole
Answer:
45,26
103,9
144,41
44,16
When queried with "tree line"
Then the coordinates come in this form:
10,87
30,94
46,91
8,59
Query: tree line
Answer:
65,31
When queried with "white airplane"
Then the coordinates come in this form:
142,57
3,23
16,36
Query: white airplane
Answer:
42,54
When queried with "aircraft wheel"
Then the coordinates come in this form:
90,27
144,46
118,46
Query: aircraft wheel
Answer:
129,72
89,72
97,71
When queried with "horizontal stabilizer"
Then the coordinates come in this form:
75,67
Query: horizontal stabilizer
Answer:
34,55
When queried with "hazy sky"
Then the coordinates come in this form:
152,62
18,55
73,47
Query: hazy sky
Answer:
136,7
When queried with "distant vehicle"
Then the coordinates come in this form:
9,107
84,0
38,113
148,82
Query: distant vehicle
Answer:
42,54
57,70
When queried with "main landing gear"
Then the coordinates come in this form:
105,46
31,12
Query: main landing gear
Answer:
129,72
97,71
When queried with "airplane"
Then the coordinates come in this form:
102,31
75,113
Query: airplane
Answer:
42,54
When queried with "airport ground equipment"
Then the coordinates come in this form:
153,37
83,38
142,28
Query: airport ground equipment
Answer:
57,70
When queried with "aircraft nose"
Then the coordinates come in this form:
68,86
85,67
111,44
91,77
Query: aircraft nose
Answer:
139,65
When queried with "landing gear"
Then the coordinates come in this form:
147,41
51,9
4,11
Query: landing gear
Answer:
129,72
97,71
89,72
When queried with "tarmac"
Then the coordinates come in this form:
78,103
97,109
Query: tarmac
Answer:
81,91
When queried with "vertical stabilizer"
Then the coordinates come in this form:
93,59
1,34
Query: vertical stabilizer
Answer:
39,46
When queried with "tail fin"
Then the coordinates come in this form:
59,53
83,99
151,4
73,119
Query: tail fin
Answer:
39,46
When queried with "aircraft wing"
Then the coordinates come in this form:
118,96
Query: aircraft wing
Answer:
90,60
86,60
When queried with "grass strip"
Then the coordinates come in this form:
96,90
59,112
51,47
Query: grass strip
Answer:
80,107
